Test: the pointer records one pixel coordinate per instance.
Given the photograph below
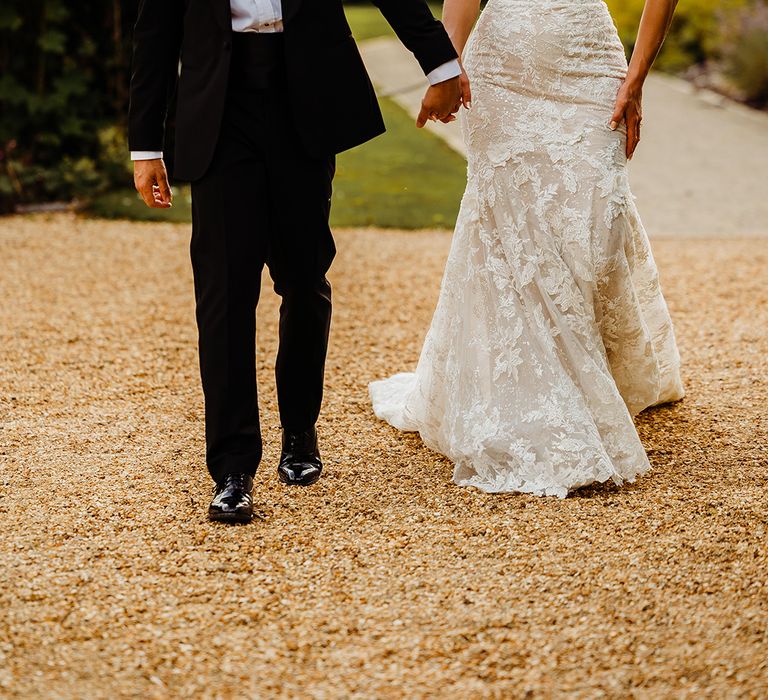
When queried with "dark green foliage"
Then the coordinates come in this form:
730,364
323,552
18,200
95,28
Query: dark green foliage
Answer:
729,36
63,90
64,70
745,52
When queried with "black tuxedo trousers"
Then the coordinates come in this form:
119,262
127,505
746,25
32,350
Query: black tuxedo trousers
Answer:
263,201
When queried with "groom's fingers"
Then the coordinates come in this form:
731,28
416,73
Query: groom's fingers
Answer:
421,120
162,188
158,199
151,180
144,189
143,183
152,194
166,196
426,115
438,101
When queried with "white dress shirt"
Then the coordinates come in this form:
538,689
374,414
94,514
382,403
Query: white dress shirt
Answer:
263,16
266,17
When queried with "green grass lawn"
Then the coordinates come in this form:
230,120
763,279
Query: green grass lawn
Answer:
367,22
407,178
404,179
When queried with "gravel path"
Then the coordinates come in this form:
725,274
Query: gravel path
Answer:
384,580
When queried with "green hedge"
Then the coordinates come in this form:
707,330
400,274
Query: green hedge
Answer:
695,33
730,35
64,68
63,87
744,52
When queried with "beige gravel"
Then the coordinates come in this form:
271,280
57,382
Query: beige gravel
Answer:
384,580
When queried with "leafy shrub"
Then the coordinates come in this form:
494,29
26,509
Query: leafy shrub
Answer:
745,52
63,74
719,37
694,37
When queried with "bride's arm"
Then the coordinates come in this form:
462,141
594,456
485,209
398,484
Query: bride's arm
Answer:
459,17
654,25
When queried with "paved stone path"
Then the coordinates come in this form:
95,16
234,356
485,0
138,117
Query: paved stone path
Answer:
700,171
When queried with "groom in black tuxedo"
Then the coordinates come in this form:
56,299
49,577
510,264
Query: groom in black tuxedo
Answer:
267,93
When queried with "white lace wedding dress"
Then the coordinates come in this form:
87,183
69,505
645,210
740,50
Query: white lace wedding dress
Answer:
551,330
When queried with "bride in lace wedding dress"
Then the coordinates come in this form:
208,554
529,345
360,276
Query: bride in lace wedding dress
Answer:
551,330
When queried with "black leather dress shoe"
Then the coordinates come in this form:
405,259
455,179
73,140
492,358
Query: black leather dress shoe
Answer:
232,501
300,463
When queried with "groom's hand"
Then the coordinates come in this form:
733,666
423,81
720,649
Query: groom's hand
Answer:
151,181
441,102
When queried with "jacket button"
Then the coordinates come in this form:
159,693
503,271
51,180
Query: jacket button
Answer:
227,45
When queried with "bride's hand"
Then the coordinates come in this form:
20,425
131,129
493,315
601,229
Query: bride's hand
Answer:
466,89
629,107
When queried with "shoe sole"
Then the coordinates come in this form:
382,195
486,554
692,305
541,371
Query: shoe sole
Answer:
287,482
229,518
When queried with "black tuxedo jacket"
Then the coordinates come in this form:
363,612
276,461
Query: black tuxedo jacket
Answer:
331,96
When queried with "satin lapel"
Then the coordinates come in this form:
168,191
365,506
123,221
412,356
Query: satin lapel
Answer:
223,12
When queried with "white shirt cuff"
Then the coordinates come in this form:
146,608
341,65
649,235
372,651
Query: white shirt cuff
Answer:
146,155
449,70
